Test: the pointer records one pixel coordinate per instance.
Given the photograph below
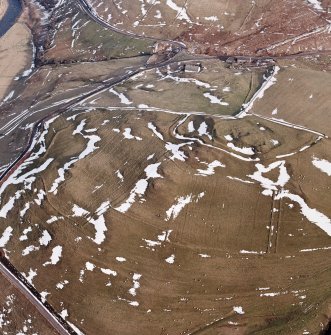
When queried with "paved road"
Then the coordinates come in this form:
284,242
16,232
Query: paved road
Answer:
76,96
54,322
95,17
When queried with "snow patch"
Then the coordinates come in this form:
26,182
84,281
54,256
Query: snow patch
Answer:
323,165
55,257
181,202
171,259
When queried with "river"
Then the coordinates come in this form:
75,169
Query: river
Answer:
12,13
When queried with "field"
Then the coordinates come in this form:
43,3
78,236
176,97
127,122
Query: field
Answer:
226,27
151,185
13,44
17,313
78,38
311,103
164,218
217,89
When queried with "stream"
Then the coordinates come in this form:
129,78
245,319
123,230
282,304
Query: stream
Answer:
11,15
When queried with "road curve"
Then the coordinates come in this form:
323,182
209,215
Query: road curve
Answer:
88,9
61,327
